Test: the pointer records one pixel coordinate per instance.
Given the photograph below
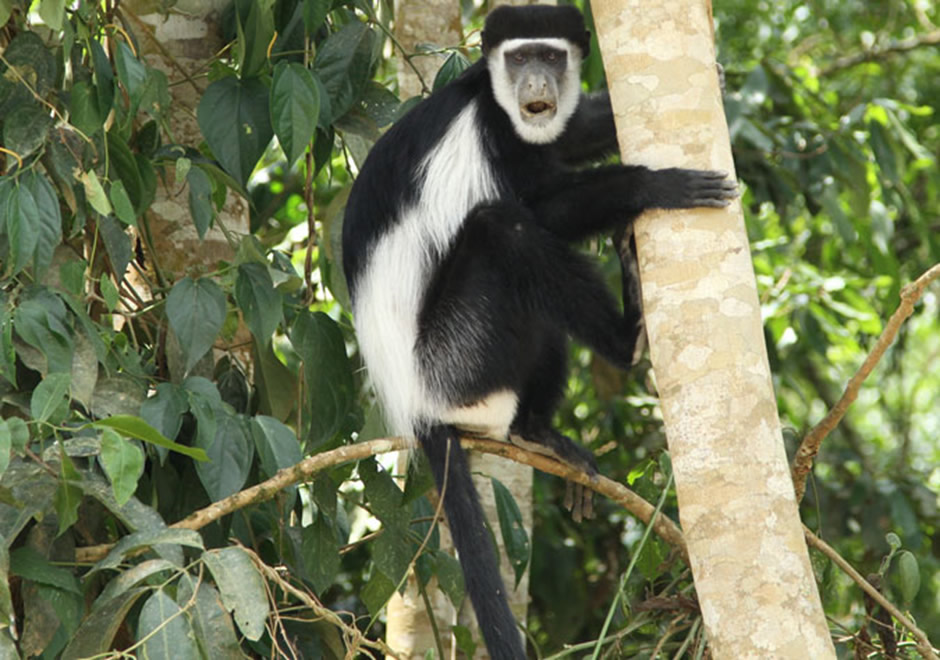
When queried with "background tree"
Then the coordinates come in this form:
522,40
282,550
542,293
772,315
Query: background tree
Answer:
831,110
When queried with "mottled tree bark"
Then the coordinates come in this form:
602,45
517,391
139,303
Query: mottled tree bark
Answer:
736,502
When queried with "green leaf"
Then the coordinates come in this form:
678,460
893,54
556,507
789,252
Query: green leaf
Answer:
320,549
29,564
392,552
95,192
260,302
315,12
116,243
26,128
377,592
343,64
464,639
50,399
276,384
135,427
255,32
230,454
233,116
200,200
123,462
22,227
52,13
908,575
83,108
125,165
295,108
241,587
165,409
132,576
19,434
97,631
327,374
455,64
512,527
164,630
103,76
196,312
213,626
109,292
384,496
450,577
6,445
40,319
67,495
277,444
123,208
146,539
50,220
131,72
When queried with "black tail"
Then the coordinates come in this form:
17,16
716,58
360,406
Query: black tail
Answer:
473,544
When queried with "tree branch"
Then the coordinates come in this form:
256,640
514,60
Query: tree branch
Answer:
881,52
924,647
307,468
809,447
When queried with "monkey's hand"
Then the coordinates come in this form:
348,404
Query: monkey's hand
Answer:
678,188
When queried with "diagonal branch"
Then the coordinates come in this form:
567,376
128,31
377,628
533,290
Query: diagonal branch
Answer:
803,461
307,468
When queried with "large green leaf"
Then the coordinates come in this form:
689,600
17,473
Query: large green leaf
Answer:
50,220
343,63
135,427
320,549
295,108
200,200
241,587
97,631
165,409
164,630
230,454
215,632
233,116
277,444
123,462
327,373
196,312
512,527
40,319
22,227
49,401
259,301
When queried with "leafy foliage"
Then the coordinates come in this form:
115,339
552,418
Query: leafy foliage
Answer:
144,376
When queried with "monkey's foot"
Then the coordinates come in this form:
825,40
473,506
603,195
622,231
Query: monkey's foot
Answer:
579,499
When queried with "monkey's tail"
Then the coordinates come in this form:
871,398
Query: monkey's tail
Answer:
441,444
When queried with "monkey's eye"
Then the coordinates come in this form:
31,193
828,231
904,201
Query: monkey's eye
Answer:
551,56
518,58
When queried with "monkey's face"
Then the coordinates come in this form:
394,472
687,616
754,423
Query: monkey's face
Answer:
537,83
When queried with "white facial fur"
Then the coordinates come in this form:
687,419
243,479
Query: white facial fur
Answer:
569,89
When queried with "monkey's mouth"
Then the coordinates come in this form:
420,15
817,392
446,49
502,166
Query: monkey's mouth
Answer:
538,109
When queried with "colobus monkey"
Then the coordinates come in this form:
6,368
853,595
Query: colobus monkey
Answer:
464,284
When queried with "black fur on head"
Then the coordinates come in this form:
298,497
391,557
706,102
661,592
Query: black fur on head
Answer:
534,22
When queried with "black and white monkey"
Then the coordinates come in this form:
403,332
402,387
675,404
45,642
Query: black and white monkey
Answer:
464,283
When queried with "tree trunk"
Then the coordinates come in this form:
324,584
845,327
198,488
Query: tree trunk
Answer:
736,503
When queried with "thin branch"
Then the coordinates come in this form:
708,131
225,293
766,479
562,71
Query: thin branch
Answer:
809,447
881,52
307,468
924,647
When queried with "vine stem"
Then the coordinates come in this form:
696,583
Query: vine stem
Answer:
809,447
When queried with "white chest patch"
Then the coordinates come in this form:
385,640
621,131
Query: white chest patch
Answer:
455,177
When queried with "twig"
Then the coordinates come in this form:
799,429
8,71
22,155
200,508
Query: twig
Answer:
354,637
809,447
305,469
879,52
924,647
